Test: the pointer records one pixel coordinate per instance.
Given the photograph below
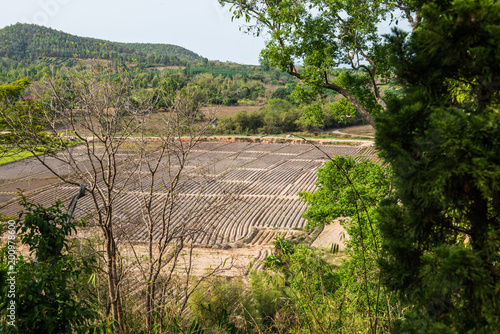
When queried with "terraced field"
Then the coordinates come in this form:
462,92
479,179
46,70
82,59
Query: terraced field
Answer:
236,193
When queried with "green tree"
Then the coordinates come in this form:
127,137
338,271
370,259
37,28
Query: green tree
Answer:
27,117
441,230
321,35
355,190
51,292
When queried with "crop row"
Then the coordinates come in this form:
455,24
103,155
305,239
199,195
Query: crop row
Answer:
225,191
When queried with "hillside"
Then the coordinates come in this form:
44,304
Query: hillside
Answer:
31,42
162,49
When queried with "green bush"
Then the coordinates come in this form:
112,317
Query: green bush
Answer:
230,101
51,292
222,306
237,305
278,116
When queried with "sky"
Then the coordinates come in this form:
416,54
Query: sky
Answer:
202,26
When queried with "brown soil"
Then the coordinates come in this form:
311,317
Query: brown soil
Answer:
360,130
221,111
267,207
273,88
230,262
332,234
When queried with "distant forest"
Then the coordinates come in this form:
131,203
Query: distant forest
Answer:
32,51
32,42
36,53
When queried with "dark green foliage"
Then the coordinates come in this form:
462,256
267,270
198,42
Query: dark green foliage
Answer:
232,70
285,93
220,69
278,116
358,84
313,291
302,296
51,294
283,249
230,101
164,54
26,117
320,297
442,230
14,90
31,42
340,181
309,39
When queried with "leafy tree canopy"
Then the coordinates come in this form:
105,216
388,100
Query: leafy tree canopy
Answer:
309,39
51,292
442,230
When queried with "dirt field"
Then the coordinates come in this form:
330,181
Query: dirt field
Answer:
161,68
254,186
221,111
361,130
332,234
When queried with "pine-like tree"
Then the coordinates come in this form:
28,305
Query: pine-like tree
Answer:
442,230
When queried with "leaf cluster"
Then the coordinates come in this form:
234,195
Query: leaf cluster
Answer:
52,294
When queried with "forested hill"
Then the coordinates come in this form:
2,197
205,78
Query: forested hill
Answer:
31,42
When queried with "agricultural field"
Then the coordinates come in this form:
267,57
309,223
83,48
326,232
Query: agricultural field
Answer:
359,130
237,196
221,111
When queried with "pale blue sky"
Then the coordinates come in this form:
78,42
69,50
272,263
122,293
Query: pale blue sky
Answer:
202,26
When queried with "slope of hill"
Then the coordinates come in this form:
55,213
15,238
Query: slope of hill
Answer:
163,49
30,42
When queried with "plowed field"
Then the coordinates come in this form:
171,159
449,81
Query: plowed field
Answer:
256,184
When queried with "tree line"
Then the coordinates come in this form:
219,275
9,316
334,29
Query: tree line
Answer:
32,42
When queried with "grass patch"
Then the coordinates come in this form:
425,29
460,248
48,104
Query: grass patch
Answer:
16,155
11,157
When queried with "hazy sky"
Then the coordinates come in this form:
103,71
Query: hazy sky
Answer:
202,26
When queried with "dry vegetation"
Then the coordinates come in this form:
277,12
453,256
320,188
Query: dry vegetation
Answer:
360,130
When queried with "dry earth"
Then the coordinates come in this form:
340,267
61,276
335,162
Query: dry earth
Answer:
332,234
221,111
262,180
359,130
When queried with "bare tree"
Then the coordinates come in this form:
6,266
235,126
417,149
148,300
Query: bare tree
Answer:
162,166
99,133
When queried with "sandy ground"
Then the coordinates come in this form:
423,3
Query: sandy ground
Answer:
332,234
228,262
360,130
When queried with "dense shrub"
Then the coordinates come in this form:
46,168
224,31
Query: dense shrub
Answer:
51,292
230,101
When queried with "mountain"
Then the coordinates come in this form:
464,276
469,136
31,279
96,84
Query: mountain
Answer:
31,42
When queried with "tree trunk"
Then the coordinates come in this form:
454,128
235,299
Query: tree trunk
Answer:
113,283
359,107
344,92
